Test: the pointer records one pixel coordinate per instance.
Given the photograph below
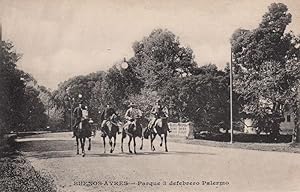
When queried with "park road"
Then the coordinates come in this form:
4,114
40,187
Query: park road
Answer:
186,167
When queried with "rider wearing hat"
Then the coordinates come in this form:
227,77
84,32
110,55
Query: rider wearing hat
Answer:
158,111
132,113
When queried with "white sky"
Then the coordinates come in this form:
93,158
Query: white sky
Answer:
63,38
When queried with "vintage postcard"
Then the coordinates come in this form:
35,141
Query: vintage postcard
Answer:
149,95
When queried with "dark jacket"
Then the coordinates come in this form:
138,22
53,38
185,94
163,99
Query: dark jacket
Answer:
157,111
77,113
107,113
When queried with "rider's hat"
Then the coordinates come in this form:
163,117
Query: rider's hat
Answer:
158,101
132,104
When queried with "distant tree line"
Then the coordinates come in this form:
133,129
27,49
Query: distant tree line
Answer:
160,68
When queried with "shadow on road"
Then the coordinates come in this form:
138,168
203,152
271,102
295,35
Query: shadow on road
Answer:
67,148
68,154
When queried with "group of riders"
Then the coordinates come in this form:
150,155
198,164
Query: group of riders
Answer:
132,114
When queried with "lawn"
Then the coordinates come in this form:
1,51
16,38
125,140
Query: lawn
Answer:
244,141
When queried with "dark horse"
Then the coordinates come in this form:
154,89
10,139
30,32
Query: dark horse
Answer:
82,132
133,130
110,130
161,126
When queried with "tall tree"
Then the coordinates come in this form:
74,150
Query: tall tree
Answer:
20,103
266,68
12,88
160,57
120,84
66,97
202,99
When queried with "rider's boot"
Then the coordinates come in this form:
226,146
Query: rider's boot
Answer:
73,134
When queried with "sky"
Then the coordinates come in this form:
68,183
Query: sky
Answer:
63,38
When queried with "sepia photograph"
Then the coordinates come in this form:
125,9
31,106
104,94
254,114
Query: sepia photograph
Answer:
149,95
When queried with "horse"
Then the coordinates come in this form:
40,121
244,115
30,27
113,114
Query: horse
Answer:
133,130
161,126
82,132
110,130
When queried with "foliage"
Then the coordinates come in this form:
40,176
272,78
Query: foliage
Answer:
267,68
33,111
66,97
144,101
120,84
202,99
160,68
12,88
20,103
160,57
17,174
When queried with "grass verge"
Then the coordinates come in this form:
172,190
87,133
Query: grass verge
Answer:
279,147
18,175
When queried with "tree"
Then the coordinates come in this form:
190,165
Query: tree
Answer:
160,57
120,84
33,111
20,104
202,99
144,101
266,68
65,98
12,88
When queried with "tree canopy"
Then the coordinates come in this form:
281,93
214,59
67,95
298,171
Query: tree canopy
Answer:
160,57
20,103
266,68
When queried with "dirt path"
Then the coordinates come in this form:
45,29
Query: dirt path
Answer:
185,167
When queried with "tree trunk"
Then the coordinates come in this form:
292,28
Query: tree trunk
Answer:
296,135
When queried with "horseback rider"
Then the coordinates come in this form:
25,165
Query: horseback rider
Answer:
106,116
158,112
78,118
132,114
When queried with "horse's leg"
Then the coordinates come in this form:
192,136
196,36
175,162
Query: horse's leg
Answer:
90,145
122,139
82,140
161,140
115,142
104,144
152,139
142,142
166,148
130,138
134,145
111,145
77,142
